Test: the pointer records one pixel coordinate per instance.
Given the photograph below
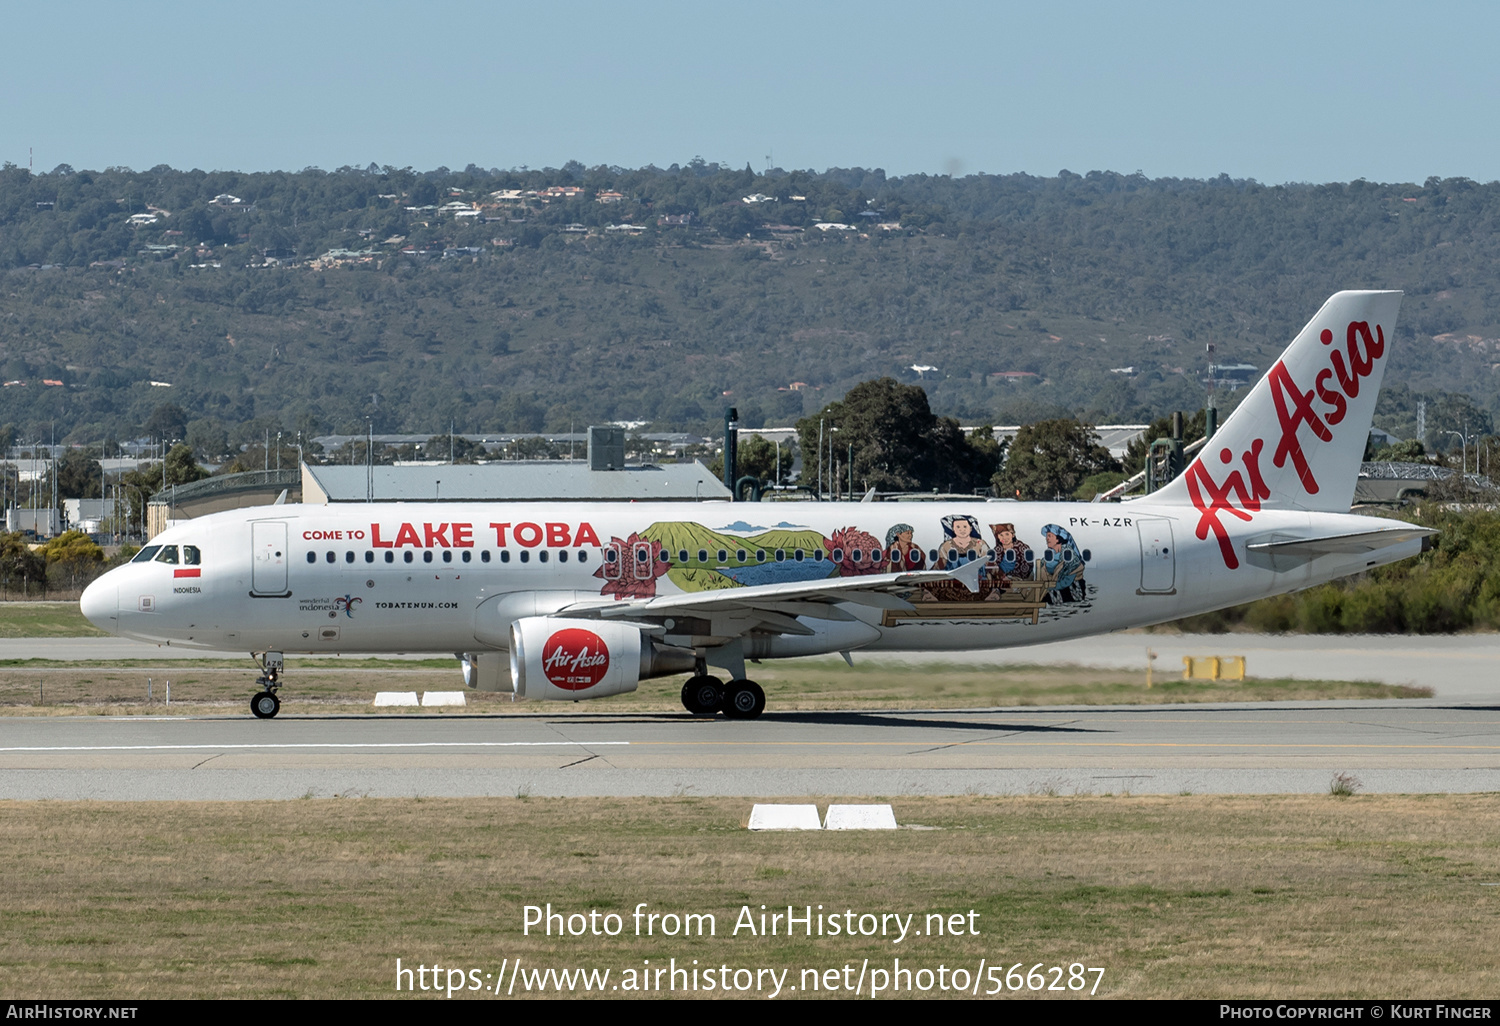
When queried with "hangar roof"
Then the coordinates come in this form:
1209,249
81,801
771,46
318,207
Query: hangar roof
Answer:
510,481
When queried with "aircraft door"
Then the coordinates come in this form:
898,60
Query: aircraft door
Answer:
268,558
1158,556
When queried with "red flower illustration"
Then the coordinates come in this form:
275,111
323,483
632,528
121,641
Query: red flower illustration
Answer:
633,572
846,542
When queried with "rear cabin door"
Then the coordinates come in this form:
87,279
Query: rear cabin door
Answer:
268,558
1158,556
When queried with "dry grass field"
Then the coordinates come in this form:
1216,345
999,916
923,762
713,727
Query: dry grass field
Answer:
349,685
1190,896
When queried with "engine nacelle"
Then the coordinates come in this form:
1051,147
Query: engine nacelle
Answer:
568,660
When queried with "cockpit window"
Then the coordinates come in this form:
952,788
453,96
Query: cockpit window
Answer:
144,556
168,554
191,556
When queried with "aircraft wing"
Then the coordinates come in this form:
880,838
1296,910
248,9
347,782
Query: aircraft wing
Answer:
1363,541
776,607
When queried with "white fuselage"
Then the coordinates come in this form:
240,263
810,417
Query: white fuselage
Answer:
451,577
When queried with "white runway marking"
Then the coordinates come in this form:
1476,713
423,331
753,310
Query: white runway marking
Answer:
370,744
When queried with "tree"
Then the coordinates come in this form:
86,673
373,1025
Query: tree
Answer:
78,476
167,421
464,450
1050,459
19,566
757,459
73,559
899,445
182,467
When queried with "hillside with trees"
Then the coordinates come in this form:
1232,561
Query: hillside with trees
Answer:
515,300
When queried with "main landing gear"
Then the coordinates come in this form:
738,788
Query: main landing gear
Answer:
704,695
265,704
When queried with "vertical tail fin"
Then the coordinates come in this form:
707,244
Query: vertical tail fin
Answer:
1297,440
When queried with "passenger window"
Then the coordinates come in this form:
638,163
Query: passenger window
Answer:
760,555
739,555
168,554
797,555
838,555
312,557
330,556
781,555
525,556
349,557
427,556
723,556
146,554
484,557
191,555
369,556
682,557
562,557
542,556
505,555
447,555
468,556
583,555
817,555
407,555
703,555
390,557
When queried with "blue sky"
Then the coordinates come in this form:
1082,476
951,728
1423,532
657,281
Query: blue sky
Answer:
1275,91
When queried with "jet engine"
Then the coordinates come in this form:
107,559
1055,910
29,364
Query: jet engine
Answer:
569,659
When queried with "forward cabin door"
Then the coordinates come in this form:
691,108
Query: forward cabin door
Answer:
268,558
1158,556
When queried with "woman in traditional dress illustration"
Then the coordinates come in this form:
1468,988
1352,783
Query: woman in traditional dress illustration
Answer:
1062,566
962,544
901,551
1010,562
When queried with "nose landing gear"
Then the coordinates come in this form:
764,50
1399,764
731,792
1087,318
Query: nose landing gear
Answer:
265,704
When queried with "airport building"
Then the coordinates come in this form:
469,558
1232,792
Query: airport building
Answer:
602,477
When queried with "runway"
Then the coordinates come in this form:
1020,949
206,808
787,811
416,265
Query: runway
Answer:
1403,747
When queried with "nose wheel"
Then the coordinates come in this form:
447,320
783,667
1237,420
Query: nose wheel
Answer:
265,704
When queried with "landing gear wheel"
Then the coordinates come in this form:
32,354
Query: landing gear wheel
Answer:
703,695
744,700
265,705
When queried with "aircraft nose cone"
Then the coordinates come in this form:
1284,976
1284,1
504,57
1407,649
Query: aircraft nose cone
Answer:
101,604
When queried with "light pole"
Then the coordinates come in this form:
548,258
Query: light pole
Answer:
1464,450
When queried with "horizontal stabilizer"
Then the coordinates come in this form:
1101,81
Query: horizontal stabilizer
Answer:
1364,541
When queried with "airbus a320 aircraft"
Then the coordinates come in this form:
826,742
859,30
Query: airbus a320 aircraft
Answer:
586,600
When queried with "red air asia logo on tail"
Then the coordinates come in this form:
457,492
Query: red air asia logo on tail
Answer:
575,659
1240,495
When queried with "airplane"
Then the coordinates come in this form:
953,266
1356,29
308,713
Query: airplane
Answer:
586,600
